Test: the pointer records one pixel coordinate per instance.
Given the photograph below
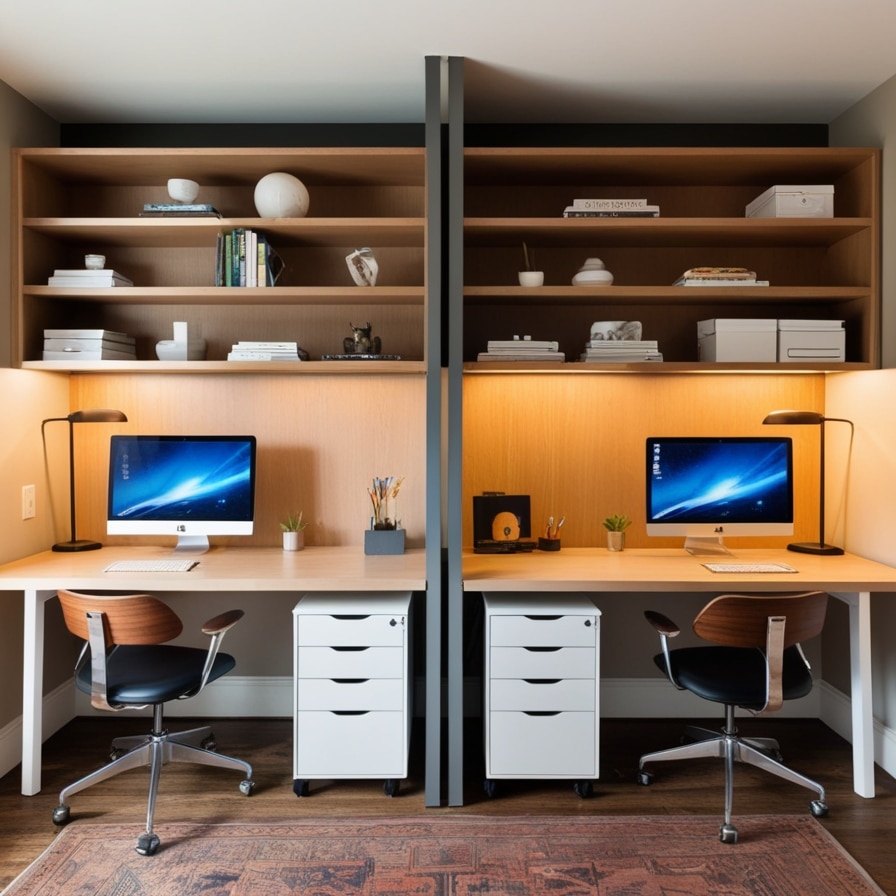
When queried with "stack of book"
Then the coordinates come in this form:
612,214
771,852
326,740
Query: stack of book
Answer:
88,345
622,351
87,277
719,276
264,351
521,350
611,208
179,209
245,258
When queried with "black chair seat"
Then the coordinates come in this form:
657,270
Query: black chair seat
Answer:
154,673
734,675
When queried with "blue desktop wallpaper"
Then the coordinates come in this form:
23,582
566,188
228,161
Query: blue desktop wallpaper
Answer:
181,479
721,480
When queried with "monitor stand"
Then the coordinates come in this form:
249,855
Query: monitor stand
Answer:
705,545
191,544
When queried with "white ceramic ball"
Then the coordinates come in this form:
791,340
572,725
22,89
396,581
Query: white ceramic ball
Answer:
182,190
281,195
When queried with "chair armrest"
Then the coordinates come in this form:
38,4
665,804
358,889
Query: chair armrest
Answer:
663,624
222,623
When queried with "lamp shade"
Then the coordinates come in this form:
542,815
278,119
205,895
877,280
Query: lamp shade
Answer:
797,418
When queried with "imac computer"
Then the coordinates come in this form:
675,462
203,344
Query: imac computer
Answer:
704,488
190,487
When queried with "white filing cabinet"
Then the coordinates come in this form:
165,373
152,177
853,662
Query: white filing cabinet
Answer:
541,714
352,687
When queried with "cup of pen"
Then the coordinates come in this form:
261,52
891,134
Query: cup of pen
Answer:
550,541
548,544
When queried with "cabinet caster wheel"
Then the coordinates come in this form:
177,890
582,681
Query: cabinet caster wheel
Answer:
61,815
819,808
645,778
584,789
728,833
300,787
247,787
490,788
147,844
391,786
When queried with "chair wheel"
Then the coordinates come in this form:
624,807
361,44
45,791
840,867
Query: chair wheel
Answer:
300,787
147,844
584,789
61,815
645,778
391,786
115,753
209,743
728,833
819,808
247,787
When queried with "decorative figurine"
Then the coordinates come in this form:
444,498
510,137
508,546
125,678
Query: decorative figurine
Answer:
361,342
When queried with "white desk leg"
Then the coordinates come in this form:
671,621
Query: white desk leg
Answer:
860,690
33,689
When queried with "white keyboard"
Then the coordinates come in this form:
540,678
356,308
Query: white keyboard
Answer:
152,565
748,568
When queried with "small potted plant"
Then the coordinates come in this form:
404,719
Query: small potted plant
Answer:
528,275
293,532
385,535
616,526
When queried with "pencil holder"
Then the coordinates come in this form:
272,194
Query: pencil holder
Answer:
548,544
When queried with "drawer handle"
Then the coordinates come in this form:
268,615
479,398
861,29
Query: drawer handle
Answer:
348,616
542,680
349,649
543,649
349,712
543,618
349,680
544,712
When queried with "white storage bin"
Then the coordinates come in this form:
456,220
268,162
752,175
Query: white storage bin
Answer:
794,201
737,339
811,340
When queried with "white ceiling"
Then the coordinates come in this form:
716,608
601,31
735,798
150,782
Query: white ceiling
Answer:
287,61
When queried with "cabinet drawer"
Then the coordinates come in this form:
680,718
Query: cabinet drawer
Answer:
543,631
350,631
351,694
363,745
560,745
576,695
561,662
332,662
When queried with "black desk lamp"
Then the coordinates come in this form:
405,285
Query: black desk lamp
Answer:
811,418
92,415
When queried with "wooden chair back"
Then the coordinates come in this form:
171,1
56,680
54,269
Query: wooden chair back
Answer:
741,620
127,618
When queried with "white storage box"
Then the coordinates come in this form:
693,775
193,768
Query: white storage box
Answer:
737,339
794,201
811,340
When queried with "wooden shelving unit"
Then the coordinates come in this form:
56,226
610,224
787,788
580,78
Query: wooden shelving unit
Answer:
70,202
817,267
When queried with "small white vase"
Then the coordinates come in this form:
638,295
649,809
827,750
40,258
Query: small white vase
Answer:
293,541
531,278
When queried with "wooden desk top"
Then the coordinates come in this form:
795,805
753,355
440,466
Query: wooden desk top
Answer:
224,569
644,569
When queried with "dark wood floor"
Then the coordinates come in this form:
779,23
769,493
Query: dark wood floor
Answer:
863,826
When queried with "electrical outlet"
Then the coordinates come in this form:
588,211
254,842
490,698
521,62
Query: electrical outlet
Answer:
28,511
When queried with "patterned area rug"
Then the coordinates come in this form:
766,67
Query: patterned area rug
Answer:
453,856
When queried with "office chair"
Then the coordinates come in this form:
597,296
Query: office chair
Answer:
126,664
755,663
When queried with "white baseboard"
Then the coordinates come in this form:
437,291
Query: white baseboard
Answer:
620,698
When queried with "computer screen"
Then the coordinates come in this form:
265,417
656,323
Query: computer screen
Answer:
709,487
187,486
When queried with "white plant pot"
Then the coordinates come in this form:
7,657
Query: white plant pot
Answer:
531,278
293,541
